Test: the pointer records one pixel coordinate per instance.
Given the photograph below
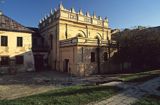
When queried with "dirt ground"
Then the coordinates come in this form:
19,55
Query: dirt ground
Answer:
25,84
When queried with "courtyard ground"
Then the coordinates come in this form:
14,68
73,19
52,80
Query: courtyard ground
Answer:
73,95
25,84
28,84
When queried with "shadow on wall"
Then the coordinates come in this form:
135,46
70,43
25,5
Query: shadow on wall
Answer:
19,63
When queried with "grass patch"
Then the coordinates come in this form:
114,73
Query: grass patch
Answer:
149,100
76,95
140,77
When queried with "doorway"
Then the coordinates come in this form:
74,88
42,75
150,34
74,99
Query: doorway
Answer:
66,65
39,64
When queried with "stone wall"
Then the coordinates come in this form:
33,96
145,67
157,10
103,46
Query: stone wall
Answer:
80,59
61,26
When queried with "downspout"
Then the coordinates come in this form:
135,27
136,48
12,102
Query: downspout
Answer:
98,55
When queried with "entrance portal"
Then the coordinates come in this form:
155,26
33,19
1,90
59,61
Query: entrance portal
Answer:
66,65
39,64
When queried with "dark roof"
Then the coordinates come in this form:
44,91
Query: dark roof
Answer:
34,29
9,24
36,32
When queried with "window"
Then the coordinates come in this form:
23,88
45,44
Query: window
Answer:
93,57
82,54
19,60
19,41
5,60
4,41
105,56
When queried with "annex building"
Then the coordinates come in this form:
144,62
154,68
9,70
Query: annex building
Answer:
77,41
15,46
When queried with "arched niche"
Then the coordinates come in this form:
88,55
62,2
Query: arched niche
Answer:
98,36
81,34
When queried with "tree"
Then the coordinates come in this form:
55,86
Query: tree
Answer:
141,47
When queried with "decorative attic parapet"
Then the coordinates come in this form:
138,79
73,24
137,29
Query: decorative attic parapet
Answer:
80,12
51,12
72,15
73,10
106,19
87,14
1,13
61,7
94,15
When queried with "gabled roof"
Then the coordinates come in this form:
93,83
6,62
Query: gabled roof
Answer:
9,24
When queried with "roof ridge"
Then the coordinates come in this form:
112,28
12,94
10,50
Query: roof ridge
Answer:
7,23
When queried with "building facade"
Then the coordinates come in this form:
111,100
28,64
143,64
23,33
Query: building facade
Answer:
77,42
40,51
15,46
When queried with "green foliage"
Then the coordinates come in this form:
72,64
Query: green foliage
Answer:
140,46
76,95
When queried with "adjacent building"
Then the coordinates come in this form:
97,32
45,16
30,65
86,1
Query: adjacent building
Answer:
40,50
15,46
78,42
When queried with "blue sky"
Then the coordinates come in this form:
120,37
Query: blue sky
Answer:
121,13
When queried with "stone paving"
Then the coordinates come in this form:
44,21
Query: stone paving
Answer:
133,93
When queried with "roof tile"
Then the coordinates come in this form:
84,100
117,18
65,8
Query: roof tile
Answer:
7,23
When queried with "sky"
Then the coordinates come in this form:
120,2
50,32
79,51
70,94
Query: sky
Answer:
121,13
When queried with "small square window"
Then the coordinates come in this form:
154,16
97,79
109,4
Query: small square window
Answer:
5,60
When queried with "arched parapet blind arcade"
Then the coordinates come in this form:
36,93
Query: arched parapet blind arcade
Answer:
81,34
99,38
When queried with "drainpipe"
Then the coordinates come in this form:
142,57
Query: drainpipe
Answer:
98,56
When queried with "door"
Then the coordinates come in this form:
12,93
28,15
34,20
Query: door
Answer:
66,65
39,64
